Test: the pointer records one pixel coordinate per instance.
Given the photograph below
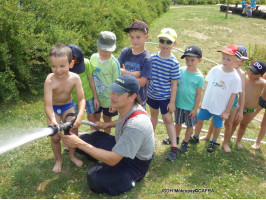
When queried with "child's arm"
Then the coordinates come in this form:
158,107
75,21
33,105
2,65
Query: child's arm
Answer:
239,114
229,106
81,102
124,71
48,101
171,105
96,100
199,95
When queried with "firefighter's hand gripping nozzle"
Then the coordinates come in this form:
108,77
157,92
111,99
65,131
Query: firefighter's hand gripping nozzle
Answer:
65,126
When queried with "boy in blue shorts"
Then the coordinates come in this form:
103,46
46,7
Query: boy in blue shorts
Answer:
58,88
84,69
189,94
107,70
223,83
136,60
163,86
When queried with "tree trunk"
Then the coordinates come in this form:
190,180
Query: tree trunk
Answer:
226,13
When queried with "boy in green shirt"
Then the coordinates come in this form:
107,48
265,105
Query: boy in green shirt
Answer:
107,70
84,69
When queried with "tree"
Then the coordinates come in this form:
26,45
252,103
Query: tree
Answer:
227,8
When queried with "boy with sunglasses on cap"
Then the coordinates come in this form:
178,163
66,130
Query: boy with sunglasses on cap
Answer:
163,86
254,84
136,60
236,113
223,83
107,70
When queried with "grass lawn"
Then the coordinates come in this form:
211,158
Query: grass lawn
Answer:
26,172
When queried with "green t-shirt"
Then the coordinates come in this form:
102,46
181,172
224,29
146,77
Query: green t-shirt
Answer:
89,68
187,88
105,73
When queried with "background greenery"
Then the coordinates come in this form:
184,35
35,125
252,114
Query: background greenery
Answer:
26,172
28,32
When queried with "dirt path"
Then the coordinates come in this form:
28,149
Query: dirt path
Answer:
261,7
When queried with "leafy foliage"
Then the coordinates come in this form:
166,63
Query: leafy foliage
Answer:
28,31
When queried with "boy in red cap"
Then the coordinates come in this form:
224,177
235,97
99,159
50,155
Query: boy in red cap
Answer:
254,85
223,83
238,106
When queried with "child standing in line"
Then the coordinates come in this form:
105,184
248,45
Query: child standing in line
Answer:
84,69
107,70
254,85
136,60
238,106
58,88
262,104
223,83
189,94
163,85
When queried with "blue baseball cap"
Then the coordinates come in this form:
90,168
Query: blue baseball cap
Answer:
125,83
78,57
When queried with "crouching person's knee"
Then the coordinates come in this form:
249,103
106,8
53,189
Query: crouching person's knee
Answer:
94,181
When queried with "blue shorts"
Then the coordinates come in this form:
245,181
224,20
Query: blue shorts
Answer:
89,107
204,114
106,112
156,104
182,116
60,109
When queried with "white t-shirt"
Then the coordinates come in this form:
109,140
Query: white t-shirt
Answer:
220,87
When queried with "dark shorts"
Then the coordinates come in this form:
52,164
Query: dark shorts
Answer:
262,102
60,109
156,104
113,180
106,112
182,116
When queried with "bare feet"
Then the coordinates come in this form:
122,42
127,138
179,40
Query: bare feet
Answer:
204,138
255,146
77,161
226,148
239,145
58,167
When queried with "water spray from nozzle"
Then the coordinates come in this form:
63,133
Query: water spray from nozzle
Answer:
65,126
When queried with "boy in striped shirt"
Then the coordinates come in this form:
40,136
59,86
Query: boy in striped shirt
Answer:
163,86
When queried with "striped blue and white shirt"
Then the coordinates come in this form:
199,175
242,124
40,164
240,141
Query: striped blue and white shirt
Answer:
164,70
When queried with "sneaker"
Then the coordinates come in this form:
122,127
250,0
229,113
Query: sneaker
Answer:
212,147
193,140
66,149
172,155
184,147
168,141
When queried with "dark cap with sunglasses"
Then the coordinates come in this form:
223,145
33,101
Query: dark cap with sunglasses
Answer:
193,51
78,57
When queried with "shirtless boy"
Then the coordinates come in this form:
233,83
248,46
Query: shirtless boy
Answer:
262,104
58,87
254,85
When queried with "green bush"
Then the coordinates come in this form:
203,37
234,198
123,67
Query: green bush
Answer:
29,31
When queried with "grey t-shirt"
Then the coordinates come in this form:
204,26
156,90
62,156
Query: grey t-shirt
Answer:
137,137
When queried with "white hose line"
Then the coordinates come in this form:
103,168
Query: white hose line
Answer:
203,130
183,52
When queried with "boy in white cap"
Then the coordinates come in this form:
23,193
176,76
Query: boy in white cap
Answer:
163,86
107,69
